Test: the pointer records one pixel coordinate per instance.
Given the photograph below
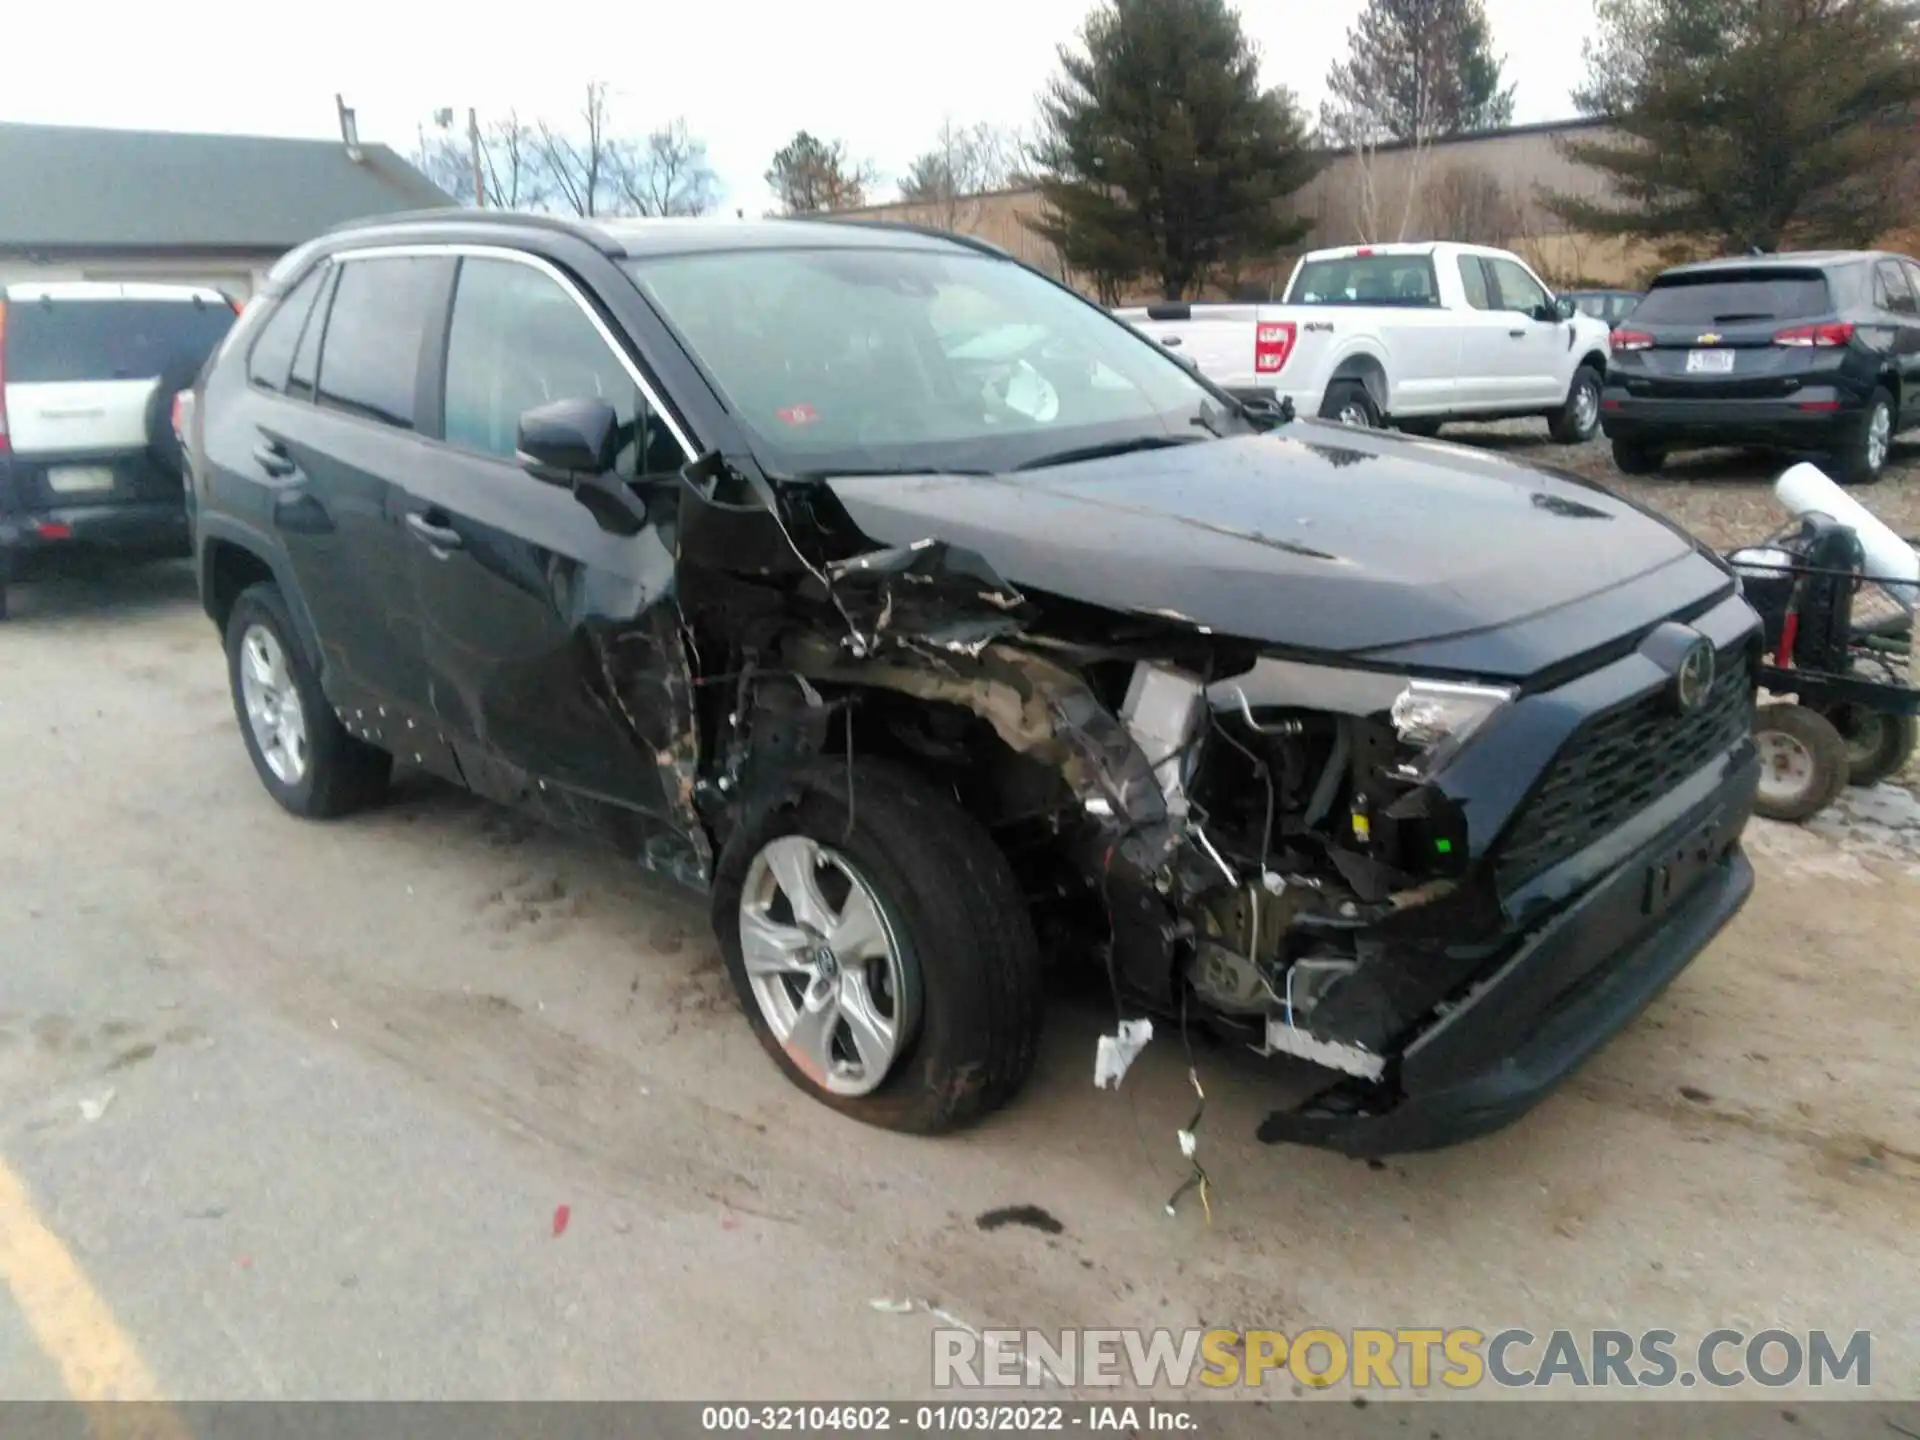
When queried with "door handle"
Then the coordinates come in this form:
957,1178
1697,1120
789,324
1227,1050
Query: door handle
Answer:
1517,334
439,537
272,457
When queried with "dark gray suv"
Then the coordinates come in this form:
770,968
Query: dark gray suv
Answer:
934,623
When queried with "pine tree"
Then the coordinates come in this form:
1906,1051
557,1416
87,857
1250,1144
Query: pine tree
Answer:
810,174
1161,154
1416,70
1750,124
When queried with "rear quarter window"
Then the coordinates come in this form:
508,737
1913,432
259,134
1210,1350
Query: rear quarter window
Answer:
272,353
1726,297
58,341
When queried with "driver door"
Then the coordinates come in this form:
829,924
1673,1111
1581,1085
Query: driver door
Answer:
546,638
1535,353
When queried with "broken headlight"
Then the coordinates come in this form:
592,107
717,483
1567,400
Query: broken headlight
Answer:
1434,718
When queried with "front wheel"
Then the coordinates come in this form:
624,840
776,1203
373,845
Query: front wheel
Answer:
1803,762
301,751
1578,420
882,949
1349,402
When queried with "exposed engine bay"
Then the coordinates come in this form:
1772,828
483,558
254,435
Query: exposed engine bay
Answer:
1242,842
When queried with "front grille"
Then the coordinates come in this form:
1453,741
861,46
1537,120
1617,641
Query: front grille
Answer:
1620,762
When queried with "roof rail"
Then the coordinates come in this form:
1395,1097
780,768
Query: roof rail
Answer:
462,215
972,242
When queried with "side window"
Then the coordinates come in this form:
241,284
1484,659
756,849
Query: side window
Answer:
272,353
306,359
519,340
1913,276
370,363
1890,289
1518,290
1474,278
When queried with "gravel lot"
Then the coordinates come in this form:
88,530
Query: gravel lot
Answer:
343,1079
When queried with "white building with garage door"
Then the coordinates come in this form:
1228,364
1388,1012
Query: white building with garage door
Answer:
86,204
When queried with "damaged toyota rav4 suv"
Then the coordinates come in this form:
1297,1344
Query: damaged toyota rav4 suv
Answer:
937,625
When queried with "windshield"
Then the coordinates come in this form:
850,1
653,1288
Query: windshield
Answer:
839,360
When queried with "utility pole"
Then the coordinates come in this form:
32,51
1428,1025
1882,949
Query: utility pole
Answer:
473,145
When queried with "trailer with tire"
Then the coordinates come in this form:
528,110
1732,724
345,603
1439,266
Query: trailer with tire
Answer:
1840,705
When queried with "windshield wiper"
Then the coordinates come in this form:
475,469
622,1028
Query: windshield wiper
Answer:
1112,447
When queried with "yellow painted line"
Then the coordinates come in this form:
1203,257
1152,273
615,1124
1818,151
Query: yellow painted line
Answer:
98,1360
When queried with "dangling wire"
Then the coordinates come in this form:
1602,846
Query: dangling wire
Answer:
1198,1179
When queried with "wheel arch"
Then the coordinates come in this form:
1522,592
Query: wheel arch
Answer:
1367,368
231,558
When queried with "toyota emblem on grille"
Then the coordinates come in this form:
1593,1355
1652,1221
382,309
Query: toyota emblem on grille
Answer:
1695,677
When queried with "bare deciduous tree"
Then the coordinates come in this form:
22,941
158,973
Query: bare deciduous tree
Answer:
1468,203
581,164
965,162
666,174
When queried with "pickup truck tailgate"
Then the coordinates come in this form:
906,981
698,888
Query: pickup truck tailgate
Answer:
1242,348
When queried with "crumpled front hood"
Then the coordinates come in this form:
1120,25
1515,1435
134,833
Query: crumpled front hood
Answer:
1318,538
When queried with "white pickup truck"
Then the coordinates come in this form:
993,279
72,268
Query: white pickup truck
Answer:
1411,335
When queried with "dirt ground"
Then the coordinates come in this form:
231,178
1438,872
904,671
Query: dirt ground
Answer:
369,1059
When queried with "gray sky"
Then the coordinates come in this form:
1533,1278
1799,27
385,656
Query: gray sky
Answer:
878,73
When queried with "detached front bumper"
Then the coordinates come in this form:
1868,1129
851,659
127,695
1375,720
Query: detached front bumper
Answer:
1575,981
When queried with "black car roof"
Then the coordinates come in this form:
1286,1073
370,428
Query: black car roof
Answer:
672,236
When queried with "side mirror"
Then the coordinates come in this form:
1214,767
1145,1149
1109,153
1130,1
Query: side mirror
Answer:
1560,308
563,440
575,443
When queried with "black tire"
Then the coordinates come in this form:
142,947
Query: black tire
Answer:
1421,429
1578,420
958,918
1815,765
1854,462
1879,745
162,443
342,774
1636,457
1350,396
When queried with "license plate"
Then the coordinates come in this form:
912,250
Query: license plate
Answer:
1676,873
1710,362
79,479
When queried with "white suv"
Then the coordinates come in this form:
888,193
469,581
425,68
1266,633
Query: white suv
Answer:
88,453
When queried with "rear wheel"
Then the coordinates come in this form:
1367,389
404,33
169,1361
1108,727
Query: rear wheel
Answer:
1878,744
1578,420
299,748
1803,762
1349,402
1864,455
1636,457
882,949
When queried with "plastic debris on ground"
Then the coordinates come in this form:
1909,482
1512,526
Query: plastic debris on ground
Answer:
94,1106
1115,1053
